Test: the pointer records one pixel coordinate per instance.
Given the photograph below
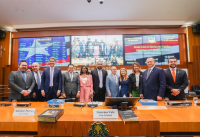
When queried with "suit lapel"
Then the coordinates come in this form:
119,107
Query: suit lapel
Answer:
152,71
54,72
33,75
177,74
102,73
97,75
68,76
48,70
170,74
20,75
73,76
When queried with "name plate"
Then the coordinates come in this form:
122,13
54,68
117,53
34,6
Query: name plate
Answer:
24,112
105,113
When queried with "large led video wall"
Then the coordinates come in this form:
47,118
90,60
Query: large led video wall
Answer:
161,47
110,49
41,49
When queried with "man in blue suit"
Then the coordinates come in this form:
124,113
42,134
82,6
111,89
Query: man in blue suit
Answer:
51,81
37,74
112,83
153,81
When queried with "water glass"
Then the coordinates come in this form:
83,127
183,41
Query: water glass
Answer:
166,100
82,100
62,103
195,99
14,102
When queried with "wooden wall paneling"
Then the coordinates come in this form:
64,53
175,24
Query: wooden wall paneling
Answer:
2,43
14,55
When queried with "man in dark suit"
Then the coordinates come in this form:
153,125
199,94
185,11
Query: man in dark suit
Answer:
51,81
21,83
176,81
37,74
153,81
70,83
99,82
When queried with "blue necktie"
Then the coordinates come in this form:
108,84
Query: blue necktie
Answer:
24,76
38,80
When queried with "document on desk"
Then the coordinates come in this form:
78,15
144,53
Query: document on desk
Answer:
151,107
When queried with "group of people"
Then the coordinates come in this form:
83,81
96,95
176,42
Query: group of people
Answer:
154,83
96,49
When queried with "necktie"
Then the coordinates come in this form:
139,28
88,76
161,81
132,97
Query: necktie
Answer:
149,70
71,76
173,75
51,77
100,79
115,79
24,76
38,80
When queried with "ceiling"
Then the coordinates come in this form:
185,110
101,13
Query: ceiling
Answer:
30,14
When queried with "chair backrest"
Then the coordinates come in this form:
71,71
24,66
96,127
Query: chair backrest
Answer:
4,92
196,88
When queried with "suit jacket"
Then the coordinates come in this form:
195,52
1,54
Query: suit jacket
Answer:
57,80
88,85
35,89
95,78
132,82
111,86
17,84
155,84
68,86
181,83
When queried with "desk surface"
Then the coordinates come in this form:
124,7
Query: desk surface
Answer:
170,120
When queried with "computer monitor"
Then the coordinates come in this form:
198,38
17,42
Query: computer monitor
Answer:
116,101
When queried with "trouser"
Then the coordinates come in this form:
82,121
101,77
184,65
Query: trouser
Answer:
51,94
100,95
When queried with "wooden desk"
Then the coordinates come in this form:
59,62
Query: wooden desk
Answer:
176,121
77,122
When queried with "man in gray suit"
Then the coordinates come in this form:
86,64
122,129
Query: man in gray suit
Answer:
70,83
112,83
21,83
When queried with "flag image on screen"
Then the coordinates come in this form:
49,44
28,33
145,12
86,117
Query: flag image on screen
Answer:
88,50
42,48
161,47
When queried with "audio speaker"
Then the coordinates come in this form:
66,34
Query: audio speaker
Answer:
196,29
2,34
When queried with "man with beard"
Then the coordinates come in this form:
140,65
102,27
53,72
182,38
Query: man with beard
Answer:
99,82
176,81
21,83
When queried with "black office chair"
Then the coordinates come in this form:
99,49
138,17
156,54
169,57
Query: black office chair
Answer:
196,89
